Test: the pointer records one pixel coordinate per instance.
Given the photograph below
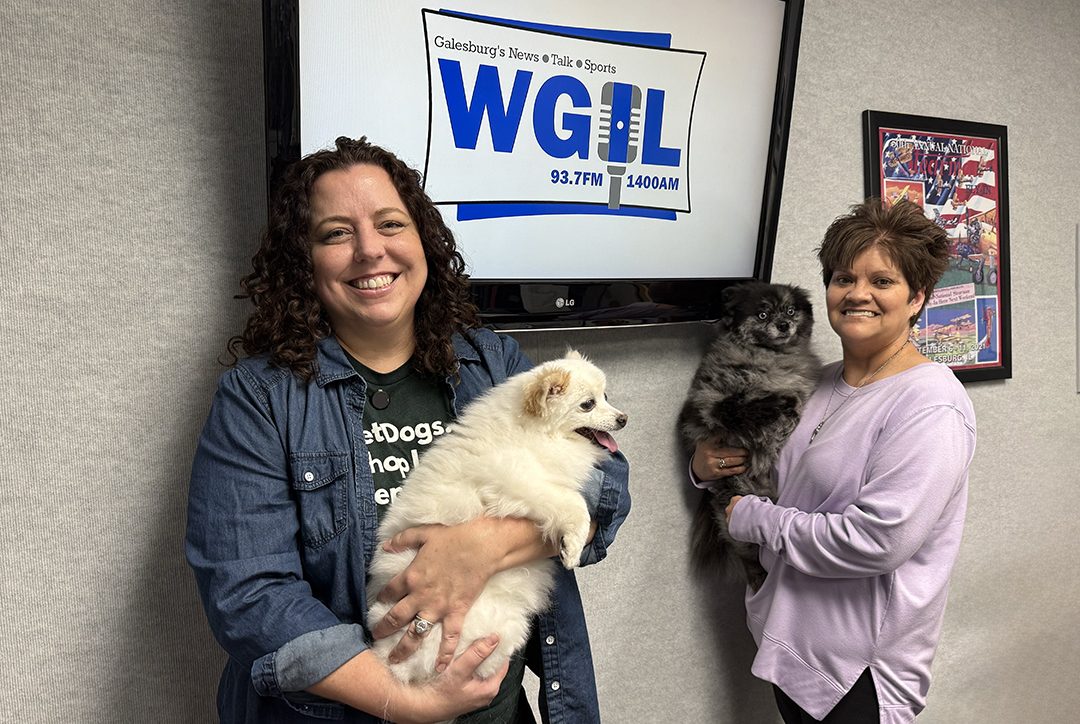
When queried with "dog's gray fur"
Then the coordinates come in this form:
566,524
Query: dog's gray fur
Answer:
749,392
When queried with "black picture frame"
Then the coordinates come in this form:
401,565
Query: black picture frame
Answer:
957,171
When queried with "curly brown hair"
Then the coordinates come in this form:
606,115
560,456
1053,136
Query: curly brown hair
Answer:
289,321
918,246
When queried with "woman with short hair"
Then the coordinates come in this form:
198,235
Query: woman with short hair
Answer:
872,490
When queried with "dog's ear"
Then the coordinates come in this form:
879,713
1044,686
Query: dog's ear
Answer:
543,387
729,298
573,354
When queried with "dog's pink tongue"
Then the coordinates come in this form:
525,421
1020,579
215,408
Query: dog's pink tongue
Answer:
606,440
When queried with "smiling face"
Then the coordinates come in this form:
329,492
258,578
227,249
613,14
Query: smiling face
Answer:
368,263
870,305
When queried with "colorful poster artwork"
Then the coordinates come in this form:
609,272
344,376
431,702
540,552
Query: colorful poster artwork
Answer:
954,178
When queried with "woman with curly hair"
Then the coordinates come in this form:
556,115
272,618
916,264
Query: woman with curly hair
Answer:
362,347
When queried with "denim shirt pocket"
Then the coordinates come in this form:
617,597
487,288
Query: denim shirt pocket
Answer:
320,480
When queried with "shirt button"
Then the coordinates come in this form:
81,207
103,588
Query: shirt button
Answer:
550,640
554,686
309,476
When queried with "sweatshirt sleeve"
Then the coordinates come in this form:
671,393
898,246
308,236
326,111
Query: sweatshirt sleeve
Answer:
917,469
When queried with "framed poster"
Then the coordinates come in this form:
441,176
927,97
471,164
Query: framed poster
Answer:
957,171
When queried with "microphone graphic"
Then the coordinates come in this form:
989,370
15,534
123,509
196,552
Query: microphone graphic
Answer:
620,119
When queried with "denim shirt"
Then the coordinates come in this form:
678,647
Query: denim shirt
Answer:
282,523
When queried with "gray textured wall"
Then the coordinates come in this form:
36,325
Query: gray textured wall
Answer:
132,192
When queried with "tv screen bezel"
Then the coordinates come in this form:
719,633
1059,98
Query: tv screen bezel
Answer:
607,302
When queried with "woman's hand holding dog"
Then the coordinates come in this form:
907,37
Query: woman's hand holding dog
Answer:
473,551
459,681
731,506
712,462
365,683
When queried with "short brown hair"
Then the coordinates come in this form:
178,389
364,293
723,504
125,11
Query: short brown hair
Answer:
288,319
914,243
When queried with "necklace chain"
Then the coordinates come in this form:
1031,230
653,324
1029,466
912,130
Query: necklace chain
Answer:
862,383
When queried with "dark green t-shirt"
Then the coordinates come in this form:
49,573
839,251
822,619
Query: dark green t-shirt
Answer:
406,411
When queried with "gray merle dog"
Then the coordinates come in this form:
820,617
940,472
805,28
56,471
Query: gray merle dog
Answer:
748,392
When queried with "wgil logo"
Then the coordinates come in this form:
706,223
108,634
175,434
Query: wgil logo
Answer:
528,119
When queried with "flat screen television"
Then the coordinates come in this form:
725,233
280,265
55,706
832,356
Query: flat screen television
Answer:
600,163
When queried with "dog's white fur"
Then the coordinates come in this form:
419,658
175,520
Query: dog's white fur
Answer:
514,452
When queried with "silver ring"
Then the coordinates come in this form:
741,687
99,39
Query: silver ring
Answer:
421,625
722,463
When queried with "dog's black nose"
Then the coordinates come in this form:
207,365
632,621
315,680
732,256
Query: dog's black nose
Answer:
620,421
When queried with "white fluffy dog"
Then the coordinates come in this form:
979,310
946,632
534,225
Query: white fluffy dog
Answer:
523,449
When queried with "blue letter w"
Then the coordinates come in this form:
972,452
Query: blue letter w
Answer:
466,117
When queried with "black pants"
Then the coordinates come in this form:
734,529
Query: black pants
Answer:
859,706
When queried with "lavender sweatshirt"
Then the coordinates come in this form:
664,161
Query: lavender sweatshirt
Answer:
861,541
